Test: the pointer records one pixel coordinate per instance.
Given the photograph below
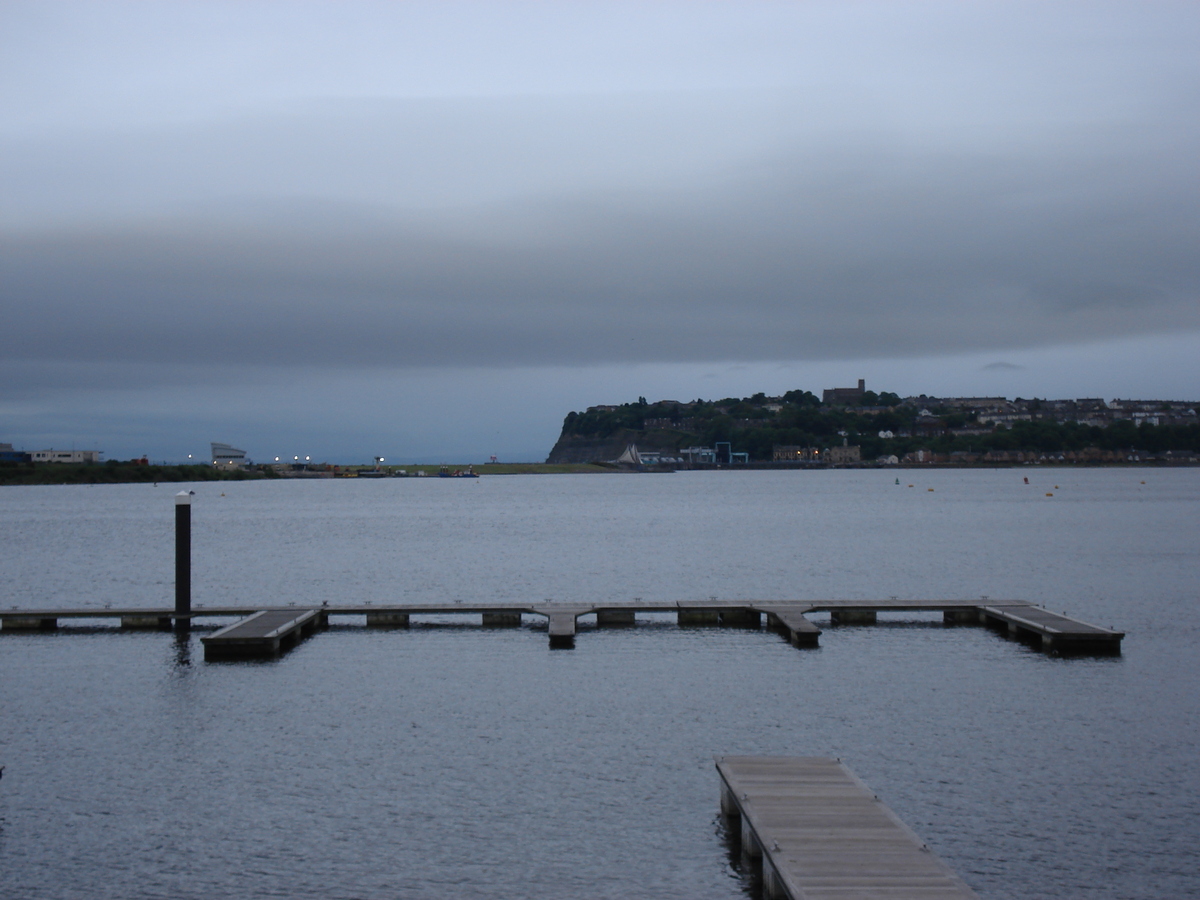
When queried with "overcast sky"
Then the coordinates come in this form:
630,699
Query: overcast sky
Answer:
429,231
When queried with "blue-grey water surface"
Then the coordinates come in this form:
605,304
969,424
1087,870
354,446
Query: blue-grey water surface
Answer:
450,761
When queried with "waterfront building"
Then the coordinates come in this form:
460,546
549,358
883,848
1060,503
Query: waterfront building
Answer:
791,453
226,457
841,456
65,456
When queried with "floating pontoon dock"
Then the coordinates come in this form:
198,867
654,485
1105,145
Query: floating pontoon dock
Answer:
819,832
264,631
263,634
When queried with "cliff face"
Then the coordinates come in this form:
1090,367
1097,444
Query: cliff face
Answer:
573,448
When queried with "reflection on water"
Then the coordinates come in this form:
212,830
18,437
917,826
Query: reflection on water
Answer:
448,759
183,647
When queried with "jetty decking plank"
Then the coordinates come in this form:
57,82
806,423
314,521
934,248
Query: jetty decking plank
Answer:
822,833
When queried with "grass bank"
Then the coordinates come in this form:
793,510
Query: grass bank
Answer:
117,473
504,469
540,468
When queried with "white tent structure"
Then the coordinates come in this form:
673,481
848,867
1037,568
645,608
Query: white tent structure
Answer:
630,456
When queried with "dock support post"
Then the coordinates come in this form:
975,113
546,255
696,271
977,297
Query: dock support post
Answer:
387,619
502,620
729,807
960,617
852,616
741,617
750,845
183,561
699,616
29,623
606,617
772,884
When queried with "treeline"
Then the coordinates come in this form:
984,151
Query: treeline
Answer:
802,419
118,472
753,426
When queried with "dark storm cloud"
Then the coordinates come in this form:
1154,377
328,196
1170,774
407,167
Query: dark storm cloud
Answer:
838,242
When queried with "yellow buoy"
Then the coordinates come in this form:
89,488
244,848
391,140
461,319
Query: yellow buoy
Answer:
930,489
1048,494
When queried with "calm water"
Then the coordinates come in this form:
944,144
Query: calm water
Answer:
448,761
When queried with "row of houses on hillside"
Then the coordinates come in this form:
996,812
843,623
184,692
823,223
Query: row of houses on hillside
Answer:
830,456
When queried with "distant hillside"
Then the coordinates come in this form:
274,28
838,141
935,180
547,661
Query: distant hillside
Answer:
960,429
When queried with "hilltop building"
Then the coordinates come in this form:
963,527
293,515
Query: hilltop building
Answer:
844,396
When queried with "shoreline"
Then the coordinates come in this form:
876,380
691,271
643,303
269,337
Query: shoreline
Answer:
62,474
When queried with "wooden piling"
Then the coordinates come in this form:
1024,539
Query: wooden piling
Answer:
506,619
614,617
387,619
689,616
183,560
853,616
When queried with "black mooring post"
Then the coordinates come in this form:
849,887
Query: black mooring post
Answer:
183,560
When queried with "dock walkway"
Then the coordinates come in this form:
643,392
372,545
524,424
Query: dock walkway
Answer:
259,636
1053,631
262,634
819,832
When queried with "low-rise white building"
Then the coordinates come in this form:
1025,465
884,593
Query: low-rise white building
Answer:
65,456
226,457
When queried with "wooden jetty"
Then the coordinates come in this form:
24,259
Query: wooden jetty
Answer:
1052,631
263,634
819,832
267,630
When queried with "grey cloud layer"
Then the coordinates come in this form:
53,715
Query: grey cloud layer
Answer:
591,232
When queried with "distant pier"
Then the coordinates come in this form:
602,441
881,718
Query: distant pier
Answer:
817,831
265,631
